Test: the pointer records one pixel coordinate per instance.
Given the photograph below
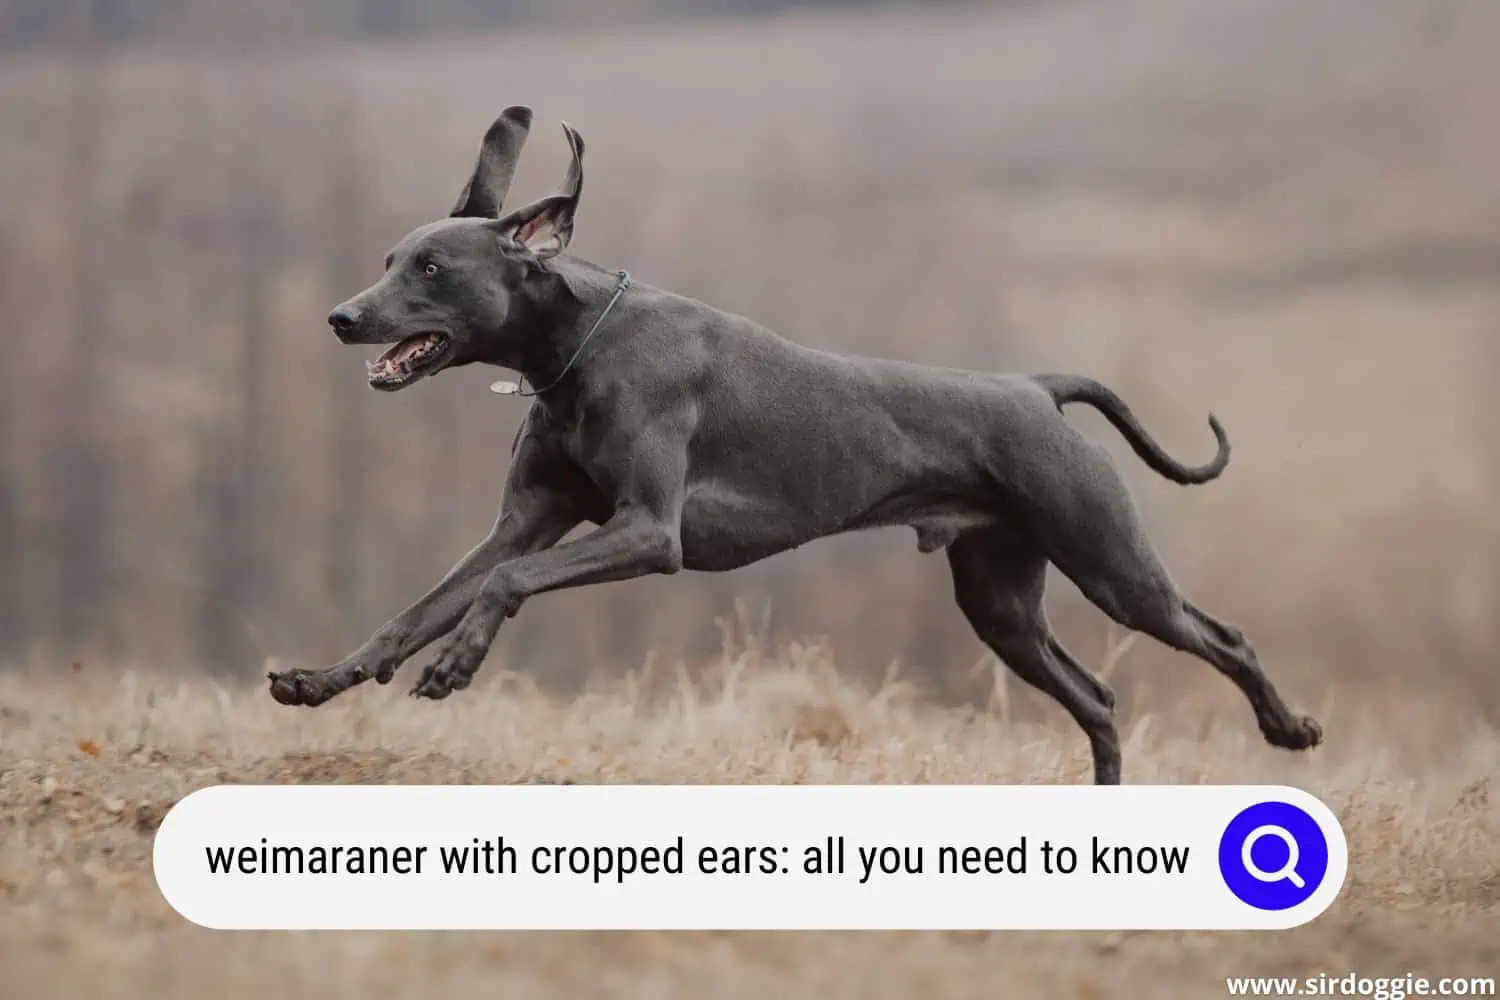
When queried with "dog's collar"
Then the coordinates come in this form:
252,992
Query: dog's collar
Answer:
507,388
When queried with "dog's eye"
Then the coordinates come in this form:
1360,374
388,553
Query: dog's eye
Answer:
431,269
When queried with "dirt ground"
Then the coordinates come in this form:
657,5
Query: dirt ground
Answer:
89,765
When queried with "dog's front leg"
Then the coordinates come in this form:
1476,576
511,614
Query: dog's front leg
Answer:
527,522
630,544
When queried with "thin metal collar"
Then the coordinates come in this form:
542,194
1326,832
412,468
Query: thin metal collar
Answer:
507,388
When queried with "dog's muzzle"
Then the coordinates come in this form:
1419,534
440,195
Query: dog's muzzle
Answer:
345,321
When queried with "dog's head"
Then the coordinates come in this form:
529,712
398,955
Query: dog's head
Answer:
454,291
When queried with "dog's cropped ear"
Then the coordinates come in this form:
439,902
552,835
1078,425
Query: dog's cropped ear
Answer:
545,227
485,193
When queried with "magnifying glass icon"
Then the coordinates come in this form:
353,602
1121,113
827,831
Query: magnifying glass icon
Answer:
1271,880
1288,871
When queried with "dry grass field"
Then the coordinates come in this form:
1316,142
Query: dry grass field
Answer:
90,765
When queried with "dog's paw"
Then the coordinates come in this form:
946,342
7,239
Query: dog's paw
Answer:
1308,734
457,662
302,687
1304,734
451,671
434,683
438,681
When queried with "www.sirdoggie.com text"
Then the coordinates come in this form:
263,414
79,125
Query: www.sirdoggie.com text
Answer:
833,856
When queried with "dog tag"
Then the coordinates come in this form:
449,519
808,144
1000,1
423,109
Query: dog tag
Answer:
504,388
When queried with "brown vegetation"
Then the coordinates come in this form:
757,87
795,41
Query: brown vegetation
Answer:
95,762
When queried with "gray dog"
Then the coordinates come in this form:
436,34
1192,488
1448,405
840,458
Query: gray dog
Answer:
695,439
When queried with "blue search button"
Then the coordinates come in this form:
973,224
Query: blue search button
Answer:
1273,856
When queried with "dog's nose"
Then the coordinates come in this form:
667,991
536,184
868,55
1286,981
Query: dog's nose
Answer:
344,320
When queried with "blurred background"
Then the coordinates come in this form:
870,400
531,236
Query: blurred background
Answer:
1283,211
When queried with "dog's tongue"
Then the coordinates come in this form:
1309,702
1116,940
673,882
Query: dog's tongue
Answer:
404,350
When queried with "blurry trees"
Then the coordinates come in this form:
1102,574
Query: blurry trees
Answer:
235,543
13,635
30,22
241,490
346,200
81,518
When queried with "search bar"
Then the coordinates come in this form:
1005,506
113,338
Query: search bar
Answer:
710,857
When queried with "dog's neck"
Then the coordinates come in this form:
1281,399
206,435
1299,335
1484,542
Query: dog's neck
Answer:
556,309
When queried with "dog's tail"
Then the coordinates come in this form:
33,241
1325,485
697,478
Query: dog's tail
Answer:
1078,389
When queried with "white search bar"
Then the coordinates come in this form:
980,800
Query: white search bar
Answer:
757,857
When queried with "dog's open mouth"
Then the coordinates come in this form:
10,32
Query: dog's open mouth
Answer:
405,362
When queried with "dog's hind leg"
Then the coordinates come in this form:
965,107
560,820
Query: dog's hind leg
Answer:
1086,677
1195,631
998,580
1100,543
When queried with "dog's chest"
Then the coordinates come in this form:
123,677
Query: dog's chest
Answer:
584,445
